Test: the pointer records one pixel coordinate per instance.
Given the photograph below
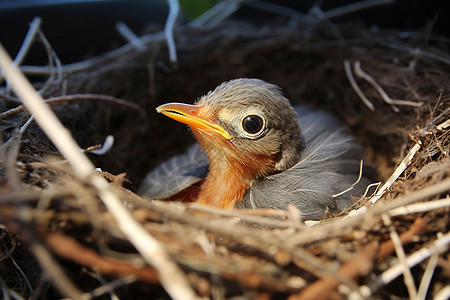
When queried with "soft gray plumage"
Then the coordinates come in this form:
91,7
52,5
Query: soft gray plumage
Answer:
329,164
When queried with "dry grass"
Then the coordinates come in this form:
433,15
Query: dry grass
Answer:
64,222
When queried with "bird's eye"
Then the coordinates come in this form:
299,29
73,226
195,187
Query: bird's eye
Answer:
252,124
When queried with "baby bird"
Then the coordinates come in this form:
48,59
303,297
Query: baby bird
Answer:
256,151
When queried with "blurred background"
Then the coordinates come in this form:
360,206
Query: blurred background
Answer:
78,29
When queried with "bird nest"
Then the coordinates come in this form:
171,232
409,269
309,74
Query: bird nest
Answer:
64,233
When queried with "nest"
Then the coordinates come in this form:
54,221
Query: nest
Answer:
61,236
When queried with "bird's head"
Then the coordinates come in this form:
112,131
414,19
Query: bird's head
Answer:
245,126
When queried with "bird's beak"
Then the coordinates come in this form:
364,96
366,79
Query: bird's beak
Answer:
189,115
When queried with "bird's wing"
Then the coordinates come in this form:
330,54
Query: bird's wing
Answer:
329,165
176,174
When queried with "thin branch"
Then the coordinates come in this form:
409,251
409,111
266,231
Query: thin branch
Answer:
426,278
360,73
353,269
129,36
174,9
216,14
354,7
348,72
407,275
417,257
69,248
172,278
402,166
52,57
443,294
420,207
355,183
74,97
54,272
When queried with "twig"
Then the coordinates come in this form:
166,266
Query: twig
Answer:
129,35
390,274
443,125
402,166
387,247
89,63
348,72
419,207
52,57
172,278
109,287
360,73
249,217
53,100
54,271
35,25
355,183
351,8
245,236
69,248
22,274
353,269
216,14
105,148
443,294
407,275
174,8
429,191
426,277
417,52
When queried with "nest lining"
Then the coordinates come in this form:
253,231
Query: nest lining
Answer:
239,253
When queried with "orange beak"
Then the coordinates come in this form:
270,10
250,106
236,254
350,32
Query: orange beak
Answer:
189,115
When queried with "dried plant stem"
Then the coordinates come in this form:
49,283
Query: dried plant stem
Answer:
348,72
55,273
426,278
351,8
390,274
402,166
129,35
359,72
69,248
420,207
407,275
172,278
443,294
353,269
429,191
174,9
106,98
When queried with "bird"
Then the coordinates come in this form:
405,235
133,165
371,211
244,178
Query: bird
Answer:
255,150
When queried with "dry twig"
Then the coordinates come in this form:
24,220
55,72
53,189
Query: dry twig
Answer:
152,250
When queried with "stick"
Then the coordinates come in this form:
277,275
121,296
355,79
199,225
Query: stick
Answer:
172,278
54,272
360,73
174,8
69,248
348,72
390,274
400,169
419,207
130,36
350,8
407,275
106,98
353,269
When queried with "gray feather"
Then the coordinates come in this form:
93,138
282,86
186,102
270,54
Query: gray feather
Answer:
176,174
